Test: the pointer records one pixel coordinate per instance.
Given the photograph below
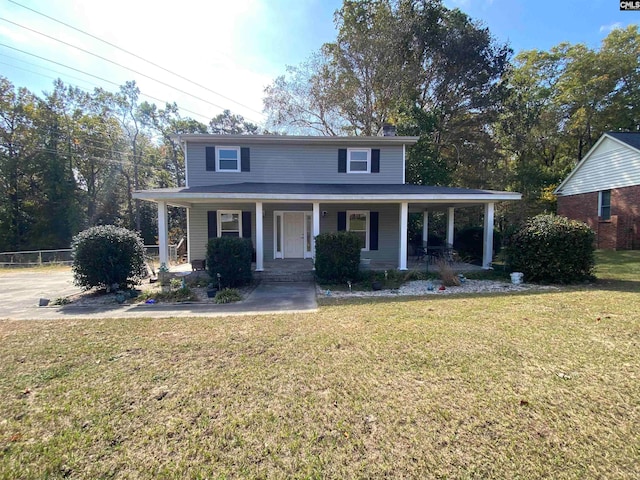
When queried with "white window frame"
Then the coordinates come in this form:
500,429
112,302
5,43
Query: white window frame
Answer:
237,150
367,225
352,150
600,205
227,212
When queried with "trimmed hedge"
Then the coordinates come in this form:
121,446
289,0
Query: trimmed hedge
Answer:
231,258
552,249
337,257
107,257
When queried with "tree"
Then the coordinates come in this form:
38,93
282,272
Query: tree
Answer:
228,123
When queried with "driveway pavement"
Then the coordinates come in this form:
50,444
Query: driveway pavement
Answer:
21,290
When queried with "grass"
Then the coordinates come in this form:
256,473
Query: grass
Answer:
542,385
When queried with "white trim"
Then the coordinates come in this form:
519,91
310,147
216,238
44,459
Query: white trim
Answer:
223,147
450,224
367,215
295,139
186,166
259,238
487,244
352,150
163,233
600,216
404,163
404,227
316,228
188,235
425,227
187,198
280,213
229,212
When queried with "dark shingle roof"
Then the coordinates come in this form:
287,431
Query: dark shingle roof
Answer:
630,138
332,189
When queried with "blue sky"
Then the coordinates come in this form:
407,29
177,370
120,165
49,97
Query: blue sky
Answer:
236,48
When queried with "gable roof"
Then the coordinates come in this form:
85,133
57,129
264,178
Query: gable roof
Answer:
630,138
613,162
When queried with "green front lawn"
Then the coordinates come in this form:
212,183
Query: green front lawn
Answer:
535,385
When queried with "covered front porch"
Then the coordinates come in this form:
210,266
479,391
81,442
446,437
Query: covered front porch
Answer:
282,220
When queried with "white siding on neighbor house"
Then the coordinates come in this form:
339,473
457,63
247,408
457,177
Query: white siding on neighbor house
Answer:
610,165
388,228
293,164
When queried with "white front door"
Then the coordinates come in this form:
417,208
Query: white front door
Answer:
293,234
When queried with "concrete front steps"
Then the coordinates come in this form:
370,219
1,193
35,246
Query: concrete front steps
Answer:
275,276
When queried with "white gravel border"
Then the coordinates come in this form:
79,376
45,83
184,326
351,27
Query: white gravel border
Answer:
420,287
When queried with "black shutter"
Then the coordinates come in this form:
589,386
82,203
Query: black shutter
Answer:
212,224
375,160
342,160
373,230
246,224
211,159
342,221
245,165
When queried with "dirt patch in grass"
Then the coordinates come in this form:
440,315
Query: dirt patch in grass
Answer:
541,385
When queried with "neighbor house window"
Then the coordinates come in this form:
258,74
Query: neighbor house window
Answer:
358,223
228,159
229,223
358,160
604,205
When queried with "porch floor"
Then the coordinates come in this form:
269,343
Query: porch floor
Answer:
296,265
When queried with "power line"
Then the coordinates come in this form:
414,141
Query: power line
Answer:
95,76
116,64
136,56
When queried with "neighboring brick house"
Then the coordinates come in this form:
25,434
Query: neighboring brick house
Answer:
604,191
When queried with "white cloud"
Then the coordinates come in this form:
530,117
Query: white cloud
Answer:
610,27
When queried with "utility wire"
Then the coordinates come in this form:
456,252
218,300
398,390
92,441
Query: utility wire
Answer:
137,56
115,63
95,76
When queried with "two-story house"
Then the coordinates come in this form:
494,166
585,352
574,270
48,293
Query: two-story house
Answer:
283,191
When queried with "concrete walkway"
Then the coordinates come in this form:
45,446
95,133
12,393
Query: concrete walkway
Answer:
21,290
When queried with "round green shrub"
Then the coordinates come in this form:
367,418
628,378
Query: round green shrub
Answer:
552,249
230,257
107,257
337,257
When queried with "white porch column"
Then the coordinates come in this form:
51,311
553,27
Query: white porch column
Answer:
404,225
259,238
163,233
425,228
487,249
316,228
450,224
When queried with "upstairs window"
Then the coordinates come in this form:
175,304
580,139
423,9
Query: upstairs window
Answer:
604,205
358,160
228,159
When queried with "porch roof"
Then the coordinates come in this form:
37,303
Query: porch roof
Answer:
324,192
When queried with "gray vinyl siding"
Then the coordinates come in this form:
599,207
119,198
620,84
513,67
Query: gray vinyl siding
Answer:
293,164
198,226
388,228
611,165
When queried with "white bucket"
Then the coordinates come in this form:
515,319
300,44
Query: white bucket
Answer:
516,278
